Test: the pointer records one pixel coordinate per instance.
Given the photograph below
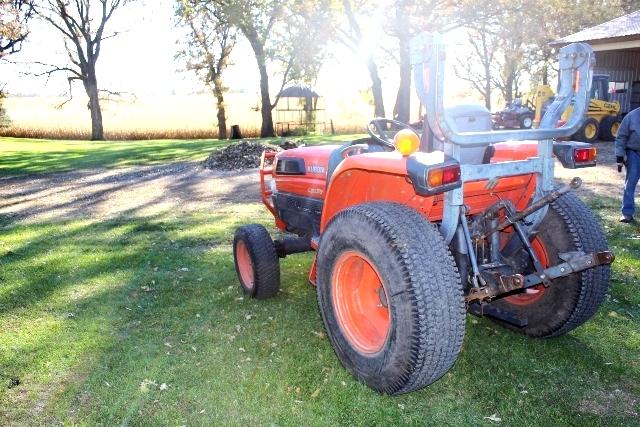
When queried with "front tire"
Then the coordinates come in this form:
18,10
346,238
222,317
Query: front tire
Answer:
570,301
256,260
390,297
589,131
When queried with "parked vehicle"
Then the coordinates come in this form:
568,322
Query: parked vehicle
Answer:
408,235
601,121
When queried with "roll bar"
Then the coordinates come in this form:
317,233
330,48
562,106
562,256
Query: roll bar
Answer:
576,68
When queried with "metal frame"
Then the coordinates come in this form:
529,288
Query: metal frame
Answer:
576,68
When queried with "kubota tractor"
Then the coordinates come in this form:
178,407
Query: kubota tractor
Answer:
411,231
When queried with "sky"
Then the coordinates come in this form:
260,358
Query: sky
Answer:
141,61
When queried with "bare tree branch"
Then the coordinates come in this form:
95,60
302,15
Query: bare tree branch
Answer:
83,30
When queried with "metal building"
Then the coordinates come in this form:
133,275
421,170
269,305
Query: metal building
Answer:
617,47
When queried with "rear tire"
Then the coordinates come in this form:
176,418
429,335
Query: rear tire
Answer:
390,297
256,260
609,128
570,301
588,131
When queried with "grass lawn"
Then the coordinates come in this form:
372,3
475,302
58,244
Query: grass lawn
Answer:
22,156
141,321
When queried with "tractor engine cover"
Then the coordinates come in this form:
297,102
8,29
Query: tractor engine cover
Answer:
300,177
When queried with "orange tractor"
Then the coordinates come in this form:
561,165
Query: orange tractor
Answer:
412,229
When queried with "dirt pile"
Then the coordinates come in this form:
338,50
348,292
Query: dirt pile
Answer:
242,155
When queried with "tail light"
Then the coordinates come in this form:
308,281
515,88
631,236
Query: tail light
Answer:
574,154
443,176
584,155
433,173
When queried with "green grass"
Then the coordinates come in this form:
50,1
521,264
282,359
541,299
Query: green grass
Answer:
97,316
25,156
141,321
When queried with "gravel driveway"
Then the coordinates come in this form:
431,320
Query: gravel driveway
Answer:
185,187
107,193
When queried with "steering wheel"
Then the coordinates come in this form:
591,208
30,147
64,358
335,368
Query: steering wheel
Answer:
382,131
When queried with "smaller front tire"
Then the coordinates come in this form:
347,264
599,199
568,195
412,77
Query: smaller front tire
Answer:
256,260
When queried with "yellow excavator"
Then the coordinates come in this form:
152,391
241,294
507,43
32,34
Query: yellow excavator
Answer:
602,119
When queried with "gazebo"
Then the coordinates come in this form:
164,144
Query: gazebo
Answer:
297,111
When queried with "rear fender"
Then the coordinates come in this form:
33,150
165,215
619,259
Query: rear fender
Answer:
375,177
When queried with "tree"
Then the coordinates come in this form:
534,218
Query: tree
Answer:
351,36
476,68
511,38
288,33
14,15
211,41
82,24
408,18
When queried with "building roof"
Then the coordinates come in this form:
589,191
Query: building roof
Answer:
298,91
624,26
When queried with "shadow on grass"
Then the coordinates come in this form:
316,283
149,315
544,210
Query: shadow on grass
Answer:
36,158
29,156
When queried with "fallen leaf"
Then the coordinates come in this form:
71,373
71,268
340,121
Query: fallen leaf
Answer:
163,387
493,418
315,393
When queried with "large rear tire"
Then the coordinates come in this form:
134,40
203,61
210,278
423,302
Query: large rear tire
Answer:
390,297
256,260
570,301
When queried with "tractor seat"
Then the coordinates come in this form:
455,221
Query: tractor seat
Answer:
468,118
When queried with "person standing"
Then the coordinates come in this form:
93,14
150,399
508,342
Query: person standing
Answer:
627,148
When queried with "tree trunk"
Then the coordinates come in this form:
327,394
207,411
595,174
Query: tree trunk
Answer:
402,108
487,86
376,88
266,129
222,119
265,109
508,88
91,87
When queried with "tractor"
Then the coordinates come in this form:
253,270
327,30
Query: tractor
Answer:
516,114
410,230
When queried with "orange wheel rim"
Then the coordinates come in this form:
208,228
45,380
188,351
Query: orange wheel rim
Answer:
361,302
534,294
245,266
